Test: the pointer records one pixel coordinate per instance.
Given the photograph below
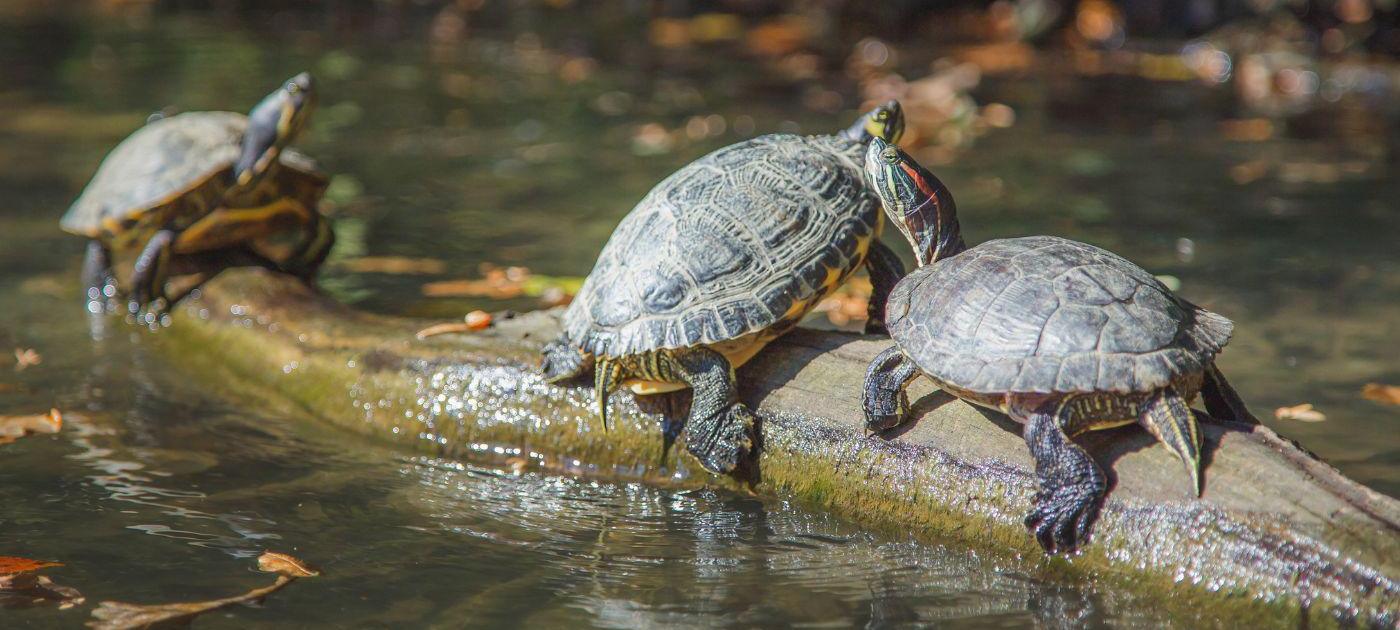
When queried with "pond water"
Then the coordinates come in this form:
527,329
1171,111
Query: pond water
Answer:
521,144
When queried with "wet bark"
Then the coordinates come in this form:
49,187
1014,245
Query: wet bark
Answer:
1278,536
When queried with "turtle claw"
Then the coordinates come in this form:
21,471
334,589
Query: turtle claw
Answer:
1063,517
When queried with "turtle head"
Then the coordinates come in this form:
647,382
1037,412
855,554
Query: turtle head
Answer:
272,125
885,122
918,204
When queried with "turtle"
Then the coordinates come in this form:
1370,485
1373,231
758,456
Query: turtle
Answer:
720,258
198,189
1062,336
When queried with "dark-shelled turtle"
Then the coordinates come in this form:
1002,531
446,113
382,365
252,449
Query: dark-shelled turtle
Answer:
199,188
717,260
1062,336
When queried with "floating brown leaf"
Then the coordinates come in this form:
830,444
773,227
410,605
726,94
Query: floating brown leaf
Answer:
1300,413
10,565
26,357
20,588
122,616
396,265
15,427
283,564
1381,393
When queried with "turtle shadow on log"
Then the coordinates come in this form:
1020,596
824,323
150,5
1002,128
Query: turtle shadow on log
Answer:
1107,446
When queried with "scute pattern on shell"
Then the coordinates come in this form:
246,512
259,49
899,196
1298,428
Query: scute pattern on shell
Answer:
725,246
163,158
1048,315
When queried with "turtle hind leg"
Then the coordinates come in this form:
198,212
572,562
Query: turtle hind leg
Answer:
886,270
884,400
1071,485
97,272
314,248
1222,401
1166,416
561,360
721,430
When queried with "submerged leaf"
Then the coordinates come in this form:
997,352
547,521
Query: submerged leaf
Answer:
394,265
123,616
15,427
1384,394
20,588
274,562
25,357
1300,413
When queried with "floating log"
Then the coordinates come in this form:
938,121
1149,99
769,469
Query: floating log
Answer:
1278,537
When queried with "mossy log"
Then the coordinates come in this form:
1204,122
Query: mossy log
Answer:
1278,536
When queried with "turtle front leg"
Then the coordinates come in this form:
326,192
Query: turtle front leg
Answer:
148,278
1071,485
1166,416
886,270
97,272
884,399
720,430
1222,401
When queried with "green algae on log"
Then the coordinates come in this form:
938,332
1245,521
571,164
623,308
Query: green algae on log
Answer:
1277,537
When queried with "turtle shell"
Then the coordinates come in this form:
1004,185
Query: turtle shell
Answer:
740,241
161,162
1048,315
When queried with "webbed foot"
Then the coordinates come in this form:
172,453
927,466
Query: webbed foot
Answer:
722,441
1064,515
884,400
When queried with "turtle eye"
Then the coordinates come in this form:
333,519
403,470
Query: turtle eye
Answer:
292,87
890,155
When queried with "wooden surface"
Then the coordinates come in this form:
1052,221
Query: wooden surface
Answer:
1277,536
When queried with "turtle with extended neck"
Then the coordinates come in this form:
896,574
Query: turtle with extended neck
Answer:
1062,336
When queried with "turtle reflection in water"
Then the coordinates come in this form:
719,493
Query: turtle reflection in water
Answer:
192,193
720,258
1063,337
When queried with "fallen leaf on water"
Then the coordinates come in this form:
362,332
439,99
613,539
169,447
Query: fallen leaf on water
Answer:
10,565
1300,413
508,282
122,616
281,563
25,357
15,427
396,265
1384,394
19,588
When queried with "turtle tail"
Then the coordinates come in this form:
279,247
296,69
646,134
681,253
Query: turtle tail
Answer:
1166,416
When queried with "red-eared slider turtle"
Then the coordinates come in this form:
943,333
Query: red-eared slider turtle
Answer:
1063,337
719,259
202,186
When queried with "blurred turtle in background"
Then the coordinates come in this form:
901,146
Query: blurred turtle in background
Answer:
192,192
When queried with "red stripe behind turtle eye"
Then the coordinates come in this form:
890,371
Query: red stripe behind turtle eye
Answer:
918,179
